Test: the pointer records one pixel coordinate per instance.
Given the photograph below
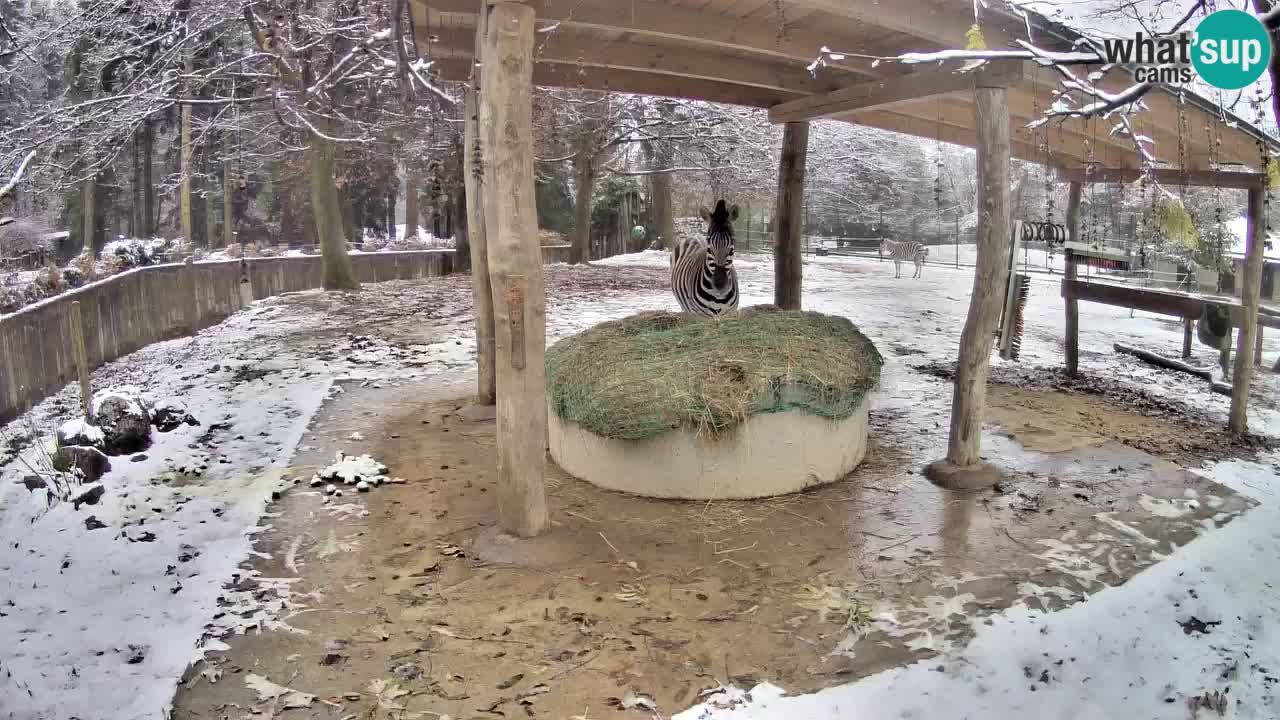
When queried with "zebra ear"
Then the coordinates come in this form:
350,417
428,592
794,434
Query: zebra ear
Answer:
705,214
733,212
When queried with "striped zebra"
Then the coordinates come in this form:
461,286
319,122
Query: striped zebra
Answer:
906,250
702,274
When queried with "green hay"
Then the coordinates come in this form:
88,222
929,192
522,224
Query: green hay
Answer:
651,373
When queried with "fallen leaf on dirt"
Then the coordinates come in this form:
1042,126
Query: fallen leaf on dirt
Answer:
631,701
633,595
527,697
284,698
450,550
511,681
386,693
835,600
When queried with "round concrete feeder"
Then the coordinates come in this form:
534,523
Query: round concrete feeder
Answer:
767,455
754,404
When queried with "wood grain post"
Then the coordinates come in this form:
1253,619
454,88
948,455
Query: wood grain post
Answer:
963,467
191,296
1069,273
82,359
788,267
481,289
515,266
1250,288
1188,331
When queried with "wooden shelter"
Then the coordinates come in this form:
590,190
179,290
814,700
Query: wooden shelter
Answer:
755,53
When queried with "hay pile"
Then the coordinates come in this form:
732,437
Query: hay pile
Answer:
651,373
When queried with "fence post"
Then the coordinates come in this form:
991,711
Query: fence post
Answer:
193,307
82,358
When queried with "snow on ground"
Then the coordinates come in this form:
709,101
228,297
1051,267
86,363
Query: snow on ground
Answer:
1122,654
103,622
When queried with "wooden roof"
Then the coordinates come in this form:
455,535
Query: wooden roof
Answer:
755,53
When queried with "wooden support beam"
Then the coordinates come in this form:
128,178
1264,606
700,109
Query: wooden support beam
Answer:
633,81
1188,335
1248,329
1133,298
1168,177
788,268
473,186
949,132
937,23
515,266
1161,302
1069,272
963,467
893,91
481,288
577,50
664,20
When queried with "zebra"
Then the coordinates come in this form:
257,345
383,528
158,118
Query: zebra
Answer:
702,275
906,250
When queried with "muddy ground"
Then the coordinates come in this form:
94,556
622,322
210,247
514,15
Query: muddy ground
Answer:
406,602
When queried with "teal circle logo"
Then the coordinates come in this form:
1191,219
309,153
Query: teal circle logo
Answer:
1231,49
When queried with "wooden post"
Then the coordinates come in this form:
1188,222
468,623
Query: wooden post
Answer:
481,290
192,305
82,360
1257,348
963,467
1249,291
1188,330
788,268
1069,273
515,266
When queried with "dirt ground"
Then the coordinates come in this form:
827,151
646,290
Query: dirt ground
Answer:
405,602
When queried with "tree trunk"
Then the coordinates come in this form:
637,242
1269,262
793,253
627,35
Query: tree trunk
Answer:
138,216
788,270
411,186
392,231
515,266
89,215
974,363
584,171
150,211
486,389
461,236
184,199
228,200
1249,291
337,271
664,218
210,215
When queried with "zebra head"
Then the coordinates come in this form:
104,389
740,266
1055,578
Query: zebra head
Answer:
884,247
720,241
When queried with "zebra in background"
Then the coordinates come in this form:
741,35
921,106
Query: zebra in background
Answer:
702,274
906,250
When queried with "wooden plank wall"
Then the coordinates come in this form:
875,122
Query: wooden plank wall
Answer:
127,312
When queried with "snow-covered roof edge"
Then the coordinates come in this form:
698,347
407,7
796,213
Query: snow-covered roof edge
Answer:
1011,9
